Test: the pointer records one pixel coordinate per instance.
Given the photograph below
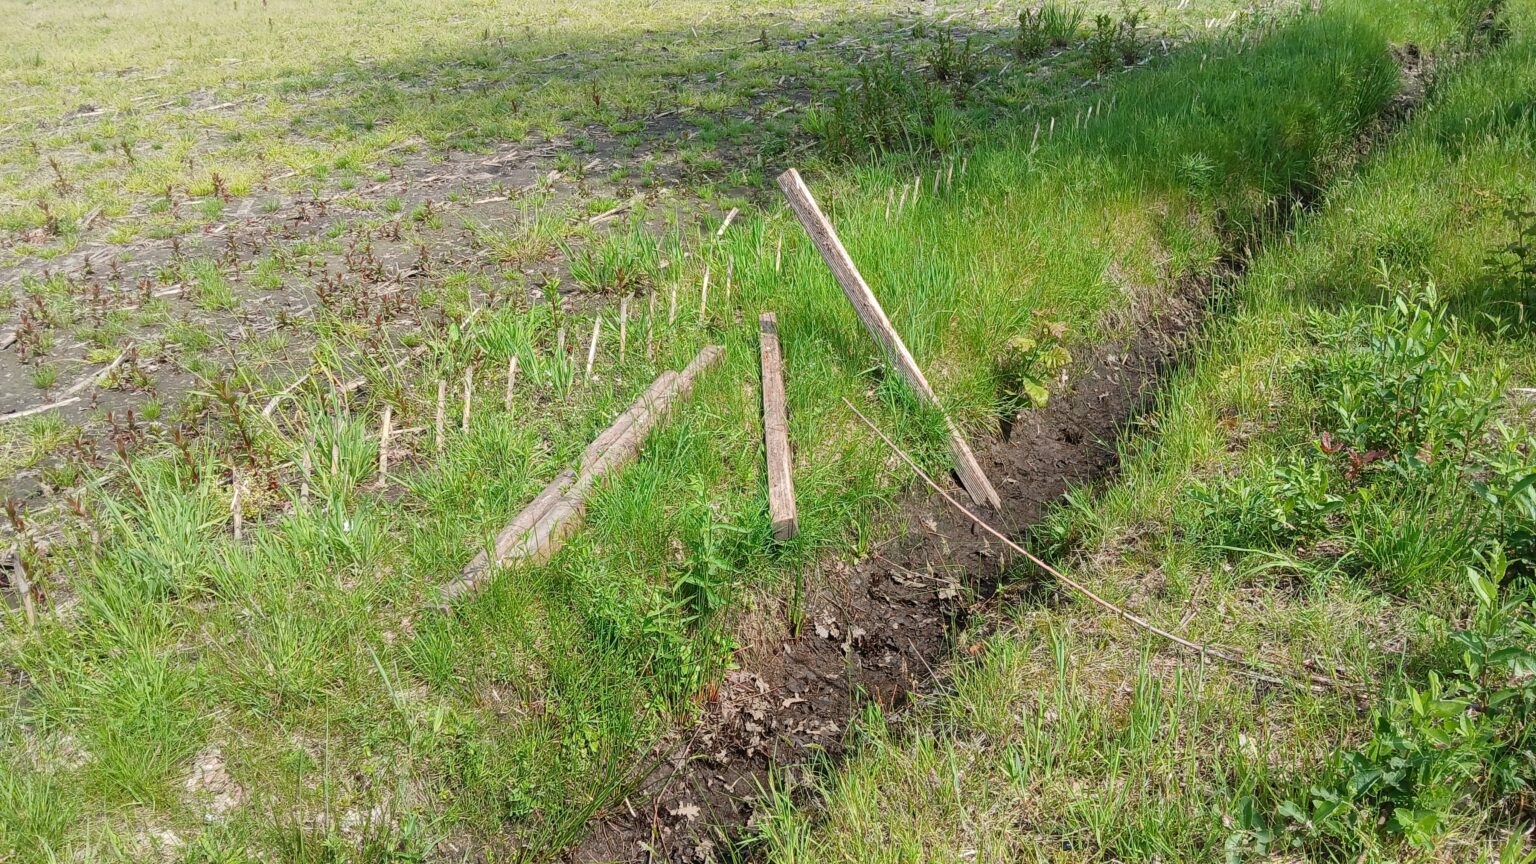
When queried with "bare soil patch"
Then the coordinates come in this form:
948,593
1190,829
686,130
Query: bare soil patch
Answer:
877,629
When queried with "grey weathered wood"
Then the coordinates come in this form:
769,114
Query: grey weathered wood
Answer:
870,312
17,415
781,484
538,530
565,515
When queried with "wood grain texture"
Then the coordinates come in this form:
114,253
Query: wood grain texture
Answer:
826,241
538,531
781,484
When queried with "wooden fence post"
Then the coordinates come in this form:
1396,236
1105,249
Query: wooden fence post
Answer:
825,239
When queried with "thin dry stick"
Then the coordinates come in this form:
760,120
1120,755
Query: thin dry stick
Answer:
623,325
506,402
469,396
778,251
729,218
335,458
704,296
672,307
39,409
235,511
597,328
949,177
1196,647
442,412
384,430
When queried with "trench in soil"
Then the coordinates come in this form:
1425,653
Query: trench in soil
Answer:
877,629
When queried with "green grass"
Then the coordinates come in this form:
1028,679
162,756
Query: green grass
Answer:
359,722
1072,737
251,98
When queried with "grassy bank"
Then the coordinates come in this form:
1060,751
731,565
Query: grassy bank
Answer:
296,694
1339,483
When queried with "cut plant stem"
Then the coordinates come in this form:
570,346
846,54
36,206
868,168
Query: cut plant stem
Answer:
236,513
704,296
825,239
623,325
781,485
306,468
597,329
442,413
650,327
24,587
729,218
384,430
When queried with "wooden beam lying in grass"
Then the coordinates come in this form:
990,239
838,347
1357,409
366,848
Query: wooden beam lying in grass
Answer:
17,415
870,312
781,484
537,532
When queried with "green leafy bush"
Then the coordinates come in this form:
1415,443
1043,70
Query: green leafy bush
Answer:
1465,736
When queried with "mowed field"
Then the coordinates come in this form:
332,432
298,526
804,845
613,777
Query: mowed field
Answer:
237,236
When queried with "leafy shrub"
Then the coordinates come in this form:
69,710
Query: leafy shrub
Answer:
1390,382
1513,264
1466,734
1115,41
1027,363
953,62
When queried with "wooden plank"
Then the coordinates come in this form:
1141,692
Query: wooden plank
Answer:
781,484
562,519
537,532
825,239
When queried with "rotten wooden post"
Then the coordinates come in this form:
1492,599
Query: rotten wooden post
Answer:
781,484
824,237
538,530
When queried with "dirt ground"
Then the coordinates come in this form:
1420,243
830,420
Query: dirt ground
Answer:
881,629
